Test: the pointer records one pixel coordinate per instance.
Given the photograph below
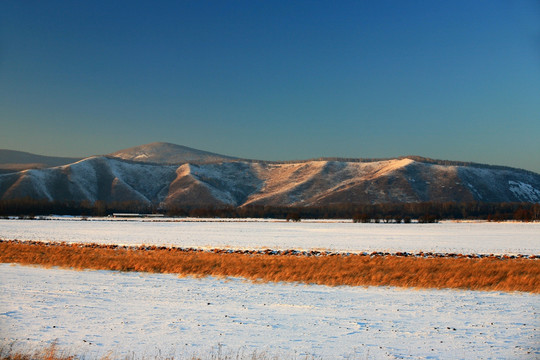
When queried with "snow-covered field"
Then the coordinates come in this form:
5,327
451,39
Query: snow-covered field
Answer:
462,237
93,312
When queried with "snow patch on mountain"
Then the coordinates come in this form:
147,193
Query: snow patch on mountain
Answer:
387,167
215,181
230,183
287,183
148,180
39,179
474,191
524,191
84,178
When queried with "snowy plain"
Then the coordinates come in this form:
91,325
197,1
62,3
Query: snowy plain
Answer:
96,312
341,236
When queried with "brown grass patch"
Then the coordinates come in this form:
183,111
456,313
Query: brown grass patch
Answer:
487,273
53,352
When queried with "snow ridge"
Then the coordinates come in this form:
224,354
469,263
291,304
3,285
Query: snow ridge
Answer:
239,183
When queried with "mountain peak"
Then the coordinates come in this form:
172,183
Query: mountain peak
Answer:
168,153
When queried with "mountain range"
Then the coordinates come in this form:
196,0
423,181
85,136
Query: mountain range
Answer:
174,175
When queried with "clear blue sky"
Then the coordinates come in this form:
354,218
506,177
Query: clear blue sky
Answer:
275,80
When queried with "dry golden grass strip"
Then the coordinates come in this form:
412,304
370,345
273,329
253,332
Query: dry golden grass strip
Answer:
53,352
353,270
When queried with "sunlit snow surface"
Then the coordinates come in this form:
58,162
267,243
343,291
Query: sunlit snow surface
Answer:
93,312
466,237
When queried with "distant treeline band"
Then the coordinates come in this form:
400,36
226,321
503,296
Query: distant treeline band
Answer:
388,212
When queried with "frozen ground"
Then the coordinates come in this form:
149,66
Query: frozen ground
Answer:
466,237
93,312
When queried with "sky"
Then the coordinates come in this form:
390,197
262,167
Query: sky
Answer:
274,80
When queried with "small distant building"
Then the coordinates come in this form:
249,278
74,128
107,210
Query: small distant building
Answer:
133,215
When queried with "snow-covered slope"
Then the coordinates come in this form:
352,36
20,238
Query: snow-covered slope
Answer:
228,183
91,179
238,183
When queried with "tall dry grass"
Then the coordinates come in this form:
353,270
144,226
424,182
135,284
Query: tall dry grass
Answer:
354,270
53,352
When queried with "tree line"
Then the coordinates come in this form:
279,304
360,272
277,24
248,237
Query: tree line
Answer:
388,212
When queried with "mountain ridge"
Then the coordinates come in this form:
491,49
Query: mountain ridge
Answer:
11,157
13,160
212,180
315,183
